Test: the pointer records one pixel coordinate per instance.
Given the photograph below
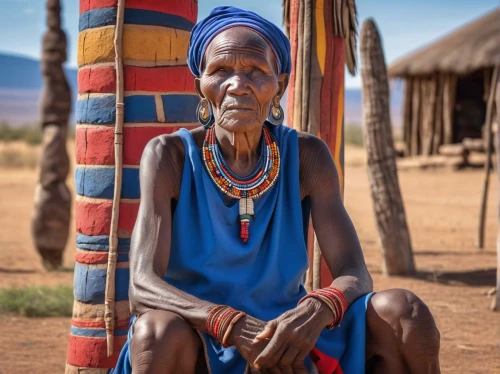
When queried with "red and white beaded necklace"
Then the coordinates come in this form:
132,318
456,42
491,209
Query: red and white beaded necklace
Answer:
248,188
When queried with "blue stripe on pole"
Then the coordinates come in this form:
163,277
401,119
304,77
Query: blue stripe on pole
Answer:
100,243
107,16
90,283
97,18
94,333
98,110
150,17
180,108
99,182
140,108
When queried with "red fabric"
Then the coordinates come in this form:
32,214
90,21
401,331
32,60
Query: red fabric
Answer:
325,364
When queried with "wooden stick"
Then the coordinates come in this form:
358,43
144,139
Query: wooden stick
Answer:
109,312
488,165
316,265
495,303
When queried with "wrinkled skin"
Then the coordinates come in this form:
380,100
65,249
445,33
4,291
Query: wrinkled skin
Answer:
240,81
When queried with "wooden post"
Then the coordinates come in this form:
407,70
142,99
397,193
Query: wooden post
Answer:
488,165
389,210
322,37
407,114
438,116
52,202
109,299
495,304
449,94
428,111
415,119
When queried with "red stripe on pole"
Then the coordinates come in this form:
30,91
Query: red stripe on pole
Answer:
94,146
135,140
93,218
92,352
92,258
97,80
126,221
120,325
184,8
94,4
164,79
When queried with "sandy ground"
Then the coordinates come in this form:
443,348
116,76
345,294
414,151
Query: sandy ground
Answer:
442,211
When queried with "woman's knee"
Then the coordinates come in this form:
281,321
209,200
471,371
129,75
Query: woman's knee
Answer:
158,329
407,315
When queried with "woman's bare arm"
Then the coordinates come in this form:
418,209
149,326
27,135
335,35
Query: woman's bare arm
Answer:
160,176
336,235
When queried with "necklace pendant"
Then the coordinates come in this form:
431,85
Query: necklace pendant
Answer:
246,212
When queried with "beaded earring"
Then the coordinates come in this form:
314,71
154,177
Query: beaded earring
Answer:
276,115
205,114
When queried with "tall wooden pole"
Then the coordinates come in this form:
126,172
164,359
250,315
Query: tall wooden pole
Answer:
389,210
495,304
52,205
488,165
323,39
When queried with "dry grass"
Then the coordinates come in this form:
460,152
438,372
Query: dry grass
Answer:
18,154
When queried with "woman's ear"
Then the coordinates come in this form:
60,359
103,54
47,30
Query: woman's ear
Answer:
282,84
197,86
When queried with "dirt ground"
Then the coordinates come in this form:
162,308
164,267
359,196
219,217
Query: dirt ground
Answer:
442,211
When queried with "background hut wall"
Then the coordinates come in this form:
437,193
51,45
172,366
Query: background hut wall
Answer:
159,99
428,112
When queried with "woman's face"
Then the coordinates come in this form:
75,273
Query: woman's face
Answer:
240,79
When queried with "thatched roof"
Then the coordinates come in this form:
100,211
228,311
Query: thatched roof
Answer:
474,46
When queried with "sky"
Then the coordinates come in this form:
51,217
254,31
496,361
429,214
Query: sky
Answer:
405,25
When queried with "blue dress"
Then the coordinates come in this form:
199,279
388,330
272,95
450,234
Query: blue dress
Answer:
263,277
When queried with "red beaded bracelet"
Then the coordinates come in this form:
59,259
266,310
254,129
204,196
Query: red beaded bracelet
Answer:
334,299
220,321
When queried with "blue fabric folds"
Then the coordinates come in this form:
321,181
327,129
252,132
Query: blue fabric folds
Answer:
225,17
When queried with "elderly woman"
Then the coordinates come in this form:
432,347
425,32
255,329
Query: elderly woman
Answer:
218,255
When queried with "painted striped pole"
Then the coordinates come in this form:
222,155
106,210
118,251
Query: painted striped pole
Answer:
323,37
159,98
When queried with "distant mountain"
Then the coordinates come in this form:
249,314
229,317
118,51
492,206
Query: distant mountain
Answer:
20,88
21,84
354,105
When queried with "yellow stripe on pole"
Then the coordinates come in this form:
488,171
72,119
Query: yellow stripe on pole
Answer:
152,43
147,45
320,34
96,45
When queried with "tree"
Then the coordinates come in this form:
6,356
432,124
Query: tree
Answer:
389,210
52,207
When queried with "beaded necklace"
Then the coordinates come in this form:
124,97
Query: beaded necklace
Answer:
248,188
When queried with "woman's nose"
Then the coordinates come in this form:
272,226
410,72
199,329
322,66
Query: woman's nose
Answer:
238,84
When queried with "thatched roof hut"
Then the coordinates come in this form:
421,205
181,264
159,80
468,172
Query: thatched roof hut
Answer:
448,84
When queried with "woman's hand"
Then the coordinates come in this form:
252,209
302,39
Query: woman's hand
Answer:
292,336
243,335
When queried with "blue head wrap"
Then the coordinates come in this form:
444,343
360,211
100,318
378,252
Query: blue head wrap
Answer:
225,17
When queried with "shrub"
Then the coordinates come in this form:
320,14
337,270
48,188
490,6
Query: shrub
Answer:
30,134
353,134
37,301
